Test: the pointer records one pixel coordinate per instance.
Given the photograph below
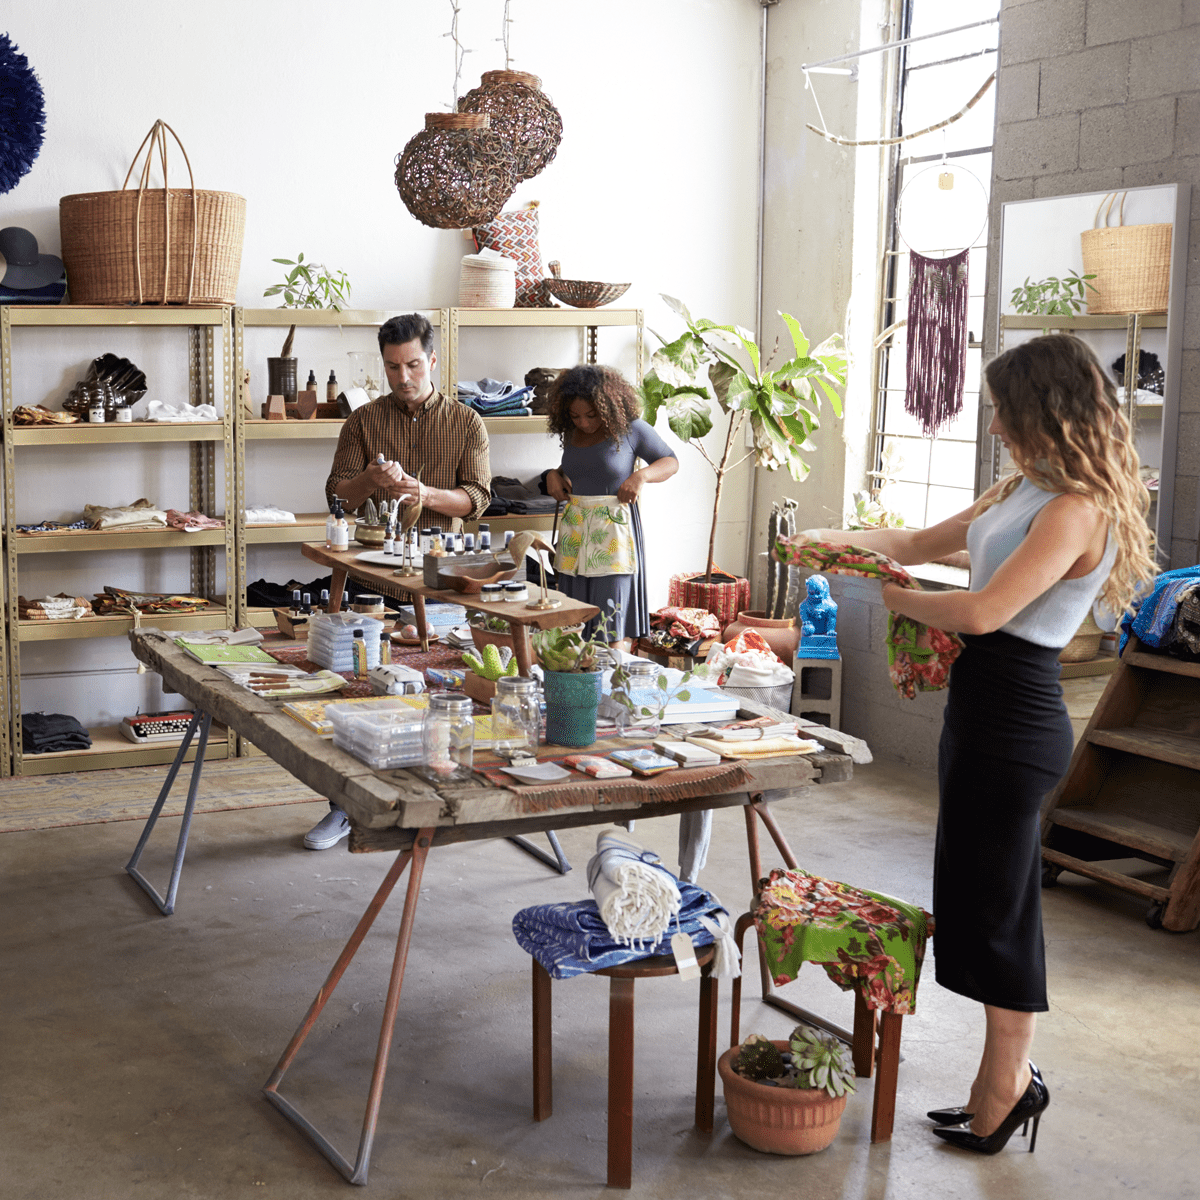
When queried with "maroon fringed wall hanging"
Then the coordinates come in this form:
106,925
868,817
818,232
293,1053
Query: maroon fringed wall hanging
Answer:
937,339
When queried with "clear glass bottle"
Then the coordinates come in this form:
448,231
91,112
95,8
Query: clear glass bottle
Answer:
640,699
516,716
449,735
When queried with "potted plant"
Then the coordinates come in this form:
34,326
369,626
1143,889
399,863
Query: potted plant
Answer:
485,668
782,405
787,1097
306,285
571,679
1052,296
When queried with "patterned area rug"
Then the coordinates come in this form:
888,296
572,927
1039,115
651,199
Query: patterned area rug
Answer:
129,793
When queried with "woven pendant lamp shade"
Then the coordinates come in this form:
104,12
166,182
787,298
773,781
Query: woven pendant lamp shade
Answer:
521,114
456,172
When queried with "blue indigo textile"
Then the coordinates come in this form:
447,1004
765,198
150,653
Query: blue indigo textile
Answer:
1153,619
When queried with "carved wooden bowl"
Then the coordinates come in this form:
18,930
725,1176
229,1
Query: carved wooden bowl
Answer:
470,580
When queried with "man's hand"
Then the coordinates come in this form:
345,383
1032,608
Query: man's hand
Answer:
558,485
386,475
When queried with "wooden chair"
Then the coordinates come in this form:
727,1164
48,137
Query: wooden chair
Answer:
620,1052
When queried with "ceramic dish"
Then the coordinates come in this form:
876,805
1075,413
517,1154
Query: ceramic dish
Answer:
397,640
378,558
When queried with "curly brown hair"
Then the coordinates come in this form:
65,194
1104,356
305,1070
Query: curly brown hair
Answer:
605,389
1069,435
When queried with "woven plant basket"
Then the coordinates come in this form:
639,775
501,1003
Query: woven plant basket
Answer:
487,282
153,245
456,172
1132,263
521,114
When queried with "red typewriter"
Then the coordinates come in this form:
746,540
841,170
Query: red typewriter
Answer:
156,727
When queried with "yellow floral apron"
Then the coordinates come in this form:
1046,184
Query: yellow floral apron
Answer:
595,537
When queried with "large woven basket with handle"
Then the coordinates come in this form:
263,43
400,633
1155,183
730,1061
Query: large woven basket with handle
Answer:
153,245
1132,263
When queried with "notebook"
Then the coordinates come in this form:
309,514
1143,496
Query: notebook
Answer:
212,653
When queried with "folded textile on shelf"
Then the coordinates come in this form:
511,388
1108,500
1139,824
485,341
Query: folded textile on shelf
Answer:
117,600
45,733
192,522
269,514
159,410
38,414
55,527
141,514
54,608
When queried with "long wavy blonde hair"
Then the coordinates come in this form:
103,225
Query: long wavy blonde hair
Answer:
1068,434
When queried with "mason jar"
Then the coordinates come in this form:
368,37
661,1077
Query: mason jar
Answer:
640,699
448,735
516,715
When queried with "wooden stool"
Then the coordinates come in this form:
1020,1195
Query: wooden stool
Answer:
620,1052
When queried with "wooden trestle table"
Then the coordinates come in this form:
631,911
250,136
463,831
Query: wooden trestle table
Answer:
400,811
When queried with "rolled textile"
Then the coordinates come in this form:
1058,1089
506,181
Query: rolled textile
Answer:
635,894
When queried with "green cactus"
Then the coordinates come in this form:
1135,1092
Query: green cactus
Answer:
759,1058
493,667
475,663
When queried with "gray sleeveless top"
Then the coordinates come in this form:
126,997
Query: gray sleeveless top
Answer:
1052,618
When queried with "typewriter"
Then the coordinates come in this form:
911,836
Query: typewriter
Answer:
156,727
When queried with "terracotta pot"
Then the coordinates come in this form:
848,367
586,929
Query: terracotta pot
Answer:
782,636
778,1120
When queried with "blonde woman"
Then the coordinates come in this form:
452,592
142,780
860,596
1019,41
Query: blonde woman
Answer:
1067,527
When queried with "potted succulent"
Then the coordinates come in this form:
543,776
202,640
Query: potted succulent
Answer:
571,680
485,668
782,405
787,1097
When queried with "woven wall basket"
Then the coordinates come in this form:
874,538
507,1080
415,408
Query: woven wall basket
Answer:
1132,263
456,172
522,114
153,245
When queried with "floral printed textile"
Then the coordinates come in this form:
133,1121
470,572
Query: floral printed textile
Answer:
867,942
595,537
919,657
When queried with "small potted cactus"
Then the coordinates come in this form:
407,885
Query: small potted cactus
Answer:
787,1097
485,668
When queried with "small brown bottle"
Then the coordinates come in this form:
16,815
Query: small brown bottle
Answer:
331,389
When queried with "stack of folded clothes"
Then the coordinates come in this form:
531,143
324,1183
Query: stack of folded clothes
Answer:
54,608
44,733
520,499
496,398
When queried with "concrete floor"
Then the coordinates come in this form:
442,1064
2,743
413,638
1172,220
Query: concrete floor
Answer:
133,1047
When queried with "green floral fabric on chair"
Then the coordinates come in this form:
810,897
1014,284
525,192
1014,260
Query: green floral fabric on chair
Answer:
867,942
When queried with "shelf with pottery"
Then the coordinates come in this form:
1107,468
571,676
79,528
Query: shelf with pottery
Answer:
110,748
212,617
209,332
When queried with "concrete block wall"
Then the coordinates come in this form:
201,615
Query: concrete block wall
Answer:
1095,95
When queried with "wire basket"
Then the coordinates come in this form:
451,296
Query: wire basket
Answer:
779,696
522,114
585,293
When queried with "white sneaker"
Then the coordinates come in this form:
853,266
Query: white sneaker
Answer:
328,831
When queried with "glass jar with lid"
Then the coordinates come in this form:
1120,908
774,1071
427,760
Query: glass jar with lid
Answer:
640,698
448,735
516,716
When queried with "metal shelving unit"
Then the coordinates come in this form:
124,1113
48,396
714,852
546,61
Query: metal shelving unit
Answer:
206,385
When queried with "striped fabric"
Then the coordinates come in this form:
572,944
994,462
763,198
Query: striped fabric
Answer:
446,439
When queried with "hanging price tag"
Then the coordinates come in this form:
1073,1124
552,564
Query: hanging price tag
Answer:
685,956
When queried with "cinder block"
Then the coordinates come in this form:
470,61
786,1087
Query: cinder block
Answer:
1188,459
1017,92
1185,506
1172,170
1041,29
1118,20
1163,66
1189,381
1127,134
1089,79
1028,148
817,690
1072,183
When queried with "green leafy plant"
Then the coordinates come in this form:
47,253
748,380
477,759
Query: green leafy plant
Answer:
621,676
568,650
869,512
782,405
1052,296
311,285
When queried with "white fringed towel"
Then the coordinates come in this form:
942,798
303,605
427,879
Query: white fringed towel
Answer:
636,895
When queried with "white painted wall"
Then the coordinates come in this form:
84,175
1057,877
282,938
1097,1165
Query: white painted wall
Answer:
302,107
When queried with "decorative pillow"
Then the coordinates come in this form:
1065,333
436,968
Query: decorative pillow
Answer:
515,235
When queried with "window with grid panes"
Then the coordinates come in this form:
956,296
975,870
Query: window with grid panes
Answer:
925,480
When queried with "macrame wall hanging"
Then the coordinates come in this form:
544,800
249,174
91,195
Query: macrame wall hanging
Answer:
934,216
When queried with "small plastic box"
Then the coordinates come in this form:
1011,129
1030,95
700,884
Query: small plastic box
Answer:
384,735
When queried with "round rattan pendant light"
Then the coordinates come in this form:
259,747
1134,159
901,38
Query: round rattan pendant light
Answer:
522,114
456,172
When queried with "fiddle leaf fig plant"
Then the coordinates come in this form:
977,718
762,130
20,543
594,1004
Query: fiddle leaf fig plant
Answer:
782,405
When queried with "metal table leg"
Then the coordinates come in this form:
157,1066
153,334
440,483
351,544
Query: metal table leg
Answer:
167,906
559,862
356,1172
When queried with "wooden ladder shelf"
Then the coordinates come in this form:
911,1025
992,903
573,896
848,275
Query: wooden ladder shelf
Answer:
1133,788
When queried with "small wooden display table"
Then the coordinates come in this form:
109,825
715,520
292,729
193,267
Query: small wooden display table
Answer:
389,582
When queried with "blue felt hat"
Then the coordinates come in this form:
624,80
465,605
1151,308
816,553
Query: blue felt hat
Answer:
21,266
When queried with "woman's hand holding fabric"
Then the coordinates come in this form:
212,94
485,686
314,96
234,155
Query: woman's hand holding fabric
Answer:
631,489
558,485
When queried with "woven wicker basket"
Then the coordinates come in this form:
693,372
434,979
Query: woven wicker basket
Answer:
486,281
1132,263
153,245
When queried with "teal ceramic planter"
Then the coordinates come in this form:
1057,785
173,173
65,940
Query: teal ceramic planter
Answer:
571,701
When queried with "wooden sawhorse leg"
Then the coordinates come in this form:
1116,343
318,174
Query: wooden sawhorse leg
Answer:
167,906
356,1172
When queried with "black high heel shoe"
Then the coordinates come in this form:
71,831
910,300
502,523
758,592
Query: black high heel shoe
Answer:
960,1116
1033,1102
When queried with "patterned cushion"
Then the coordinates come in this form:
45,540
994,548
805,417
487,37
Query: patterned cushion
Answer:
866,941
515,235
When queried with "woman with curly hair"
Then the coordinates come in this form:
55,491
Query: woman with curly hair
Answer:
600,558
1045,542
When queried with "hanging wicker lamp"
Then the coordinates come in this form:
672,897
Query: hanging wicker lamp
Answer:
456,172
522,114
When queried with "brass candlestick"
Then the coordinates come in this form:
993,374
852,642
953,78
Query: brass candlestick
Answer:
543,603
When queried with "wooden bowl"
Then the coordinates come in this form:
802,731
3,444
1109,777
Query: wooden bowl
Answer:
470,580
